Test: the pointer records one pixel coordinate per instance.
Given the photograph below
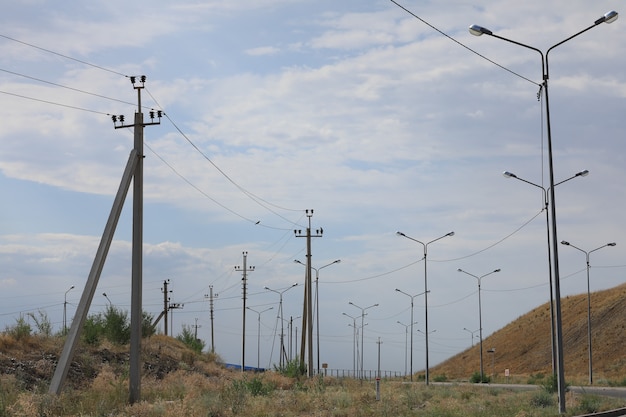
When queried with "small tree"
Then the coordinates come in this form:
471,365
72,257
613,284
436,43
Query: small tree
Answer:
42,322
188,338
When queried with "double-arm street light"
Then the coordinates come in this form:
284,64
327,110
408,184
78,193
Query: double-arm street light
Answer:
546,202
258,343
471,332
587,253
480,319
412,297
425,246
317,304
362,329
280,293
478,30
65,310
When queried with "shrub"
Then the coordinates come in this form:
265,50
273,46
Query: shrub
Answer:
42,322
189,338
588,404
291,369
20,330
542,399
476,378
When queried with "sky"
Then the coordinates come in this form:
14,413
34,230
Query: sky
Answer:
379,116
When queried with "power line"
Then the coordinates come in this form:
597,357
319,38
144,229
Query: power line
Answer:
463,45
63,56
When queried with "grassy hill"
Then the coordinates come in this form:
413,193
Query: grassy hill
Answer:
524,346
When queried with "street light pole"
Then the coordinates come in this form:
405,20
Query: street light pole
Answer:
258,343
362,329
317,304
353,342
280,293
546,202
412,297
609,17
425,246
480,319
587,253
65,310
471,333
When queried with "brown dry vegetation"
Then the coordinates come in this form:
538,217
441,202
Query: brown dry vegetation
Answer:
178,381
523,346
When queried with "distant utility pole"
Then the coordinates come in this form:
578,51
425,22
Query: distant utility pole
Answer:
172,307
166,300
195,329
134,173
307,315
244,282
211,296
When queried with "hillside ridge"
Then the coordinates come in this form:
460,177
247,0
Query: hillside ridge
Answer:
524,345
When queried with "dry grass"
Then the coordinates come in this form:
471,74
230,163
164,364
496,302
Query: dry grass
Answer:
178,382
185,393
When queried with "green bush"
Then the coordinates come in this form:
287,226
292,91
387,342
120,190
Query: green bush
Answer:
188,337
291,369
476,379
42,322
20,330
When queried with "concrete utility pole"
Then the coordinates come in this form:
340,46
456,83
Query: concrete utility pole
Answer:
195,329
166,300
133,172
307,316
211,296
172,307
244,282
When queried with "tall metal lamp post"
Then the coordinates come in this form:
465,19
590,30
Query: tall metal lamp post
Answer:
425,246
587,253
476,30
280,314
412,297
317,304
480,319
362,329
65,310
546,202
258,343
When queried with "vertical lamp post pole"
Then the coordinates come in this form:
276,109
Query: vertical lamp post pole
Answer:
281,361
425,246
480,319
588,301
362,330
353,342
546,202
258,343
412,297
609,17
65,310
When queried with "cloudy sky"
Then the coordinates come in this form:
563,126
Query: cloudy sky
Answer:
379,116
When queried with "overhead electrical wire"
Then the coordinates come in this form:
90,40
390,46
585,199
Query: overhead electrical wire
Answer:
258,200
463,45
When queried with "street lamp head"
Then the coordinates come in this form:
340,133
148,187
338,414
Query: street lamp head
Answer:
565,242
611,244
72,287
582,173
294,284
400,234
460,270
450,234
609,17
337,261
508,174
497,270
479,30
